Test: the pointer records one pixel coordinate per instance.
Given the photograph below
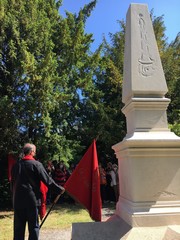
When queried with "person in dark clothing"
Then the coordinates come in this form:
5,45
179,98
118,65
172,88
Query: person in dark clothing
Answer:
60,177
103,183
27,176
110,177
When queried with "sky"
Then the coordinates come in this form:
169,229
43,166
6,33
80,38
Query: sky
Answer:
104,18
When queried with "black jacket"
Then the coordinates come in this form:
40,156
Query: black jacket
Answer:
26,177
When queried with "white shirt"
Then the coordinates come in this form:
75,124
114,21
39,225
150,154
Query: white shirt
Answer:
113,177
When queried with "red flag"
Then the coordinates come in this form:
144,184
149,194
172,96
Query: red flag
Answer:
11,162
42,208
84,183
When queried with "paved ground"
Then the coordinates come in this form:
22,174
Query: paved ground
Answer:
65,234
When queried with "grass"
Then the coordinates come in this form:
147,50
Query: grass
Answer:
62,216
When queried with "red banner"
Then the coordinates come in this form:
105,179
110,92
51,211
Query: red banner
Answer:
84,183
11,162
42,209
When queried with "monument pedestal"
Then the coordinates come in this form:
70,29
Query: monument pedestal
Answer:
149,205
149,214
149,175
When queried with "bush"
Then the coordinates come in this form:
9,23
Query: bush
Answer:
5,193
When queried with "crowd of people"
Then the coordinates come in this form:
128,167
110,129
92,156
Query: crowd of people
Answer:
109,183
109,180
60,174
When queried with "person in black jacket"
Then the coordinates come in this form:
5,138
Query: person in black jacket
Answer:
27,175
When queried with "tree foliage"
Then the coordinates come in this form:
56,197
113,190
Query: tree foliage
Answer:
28,69
170,57
58,94
44,61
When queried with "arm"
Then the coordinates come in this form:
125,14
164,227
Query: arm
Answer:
113,176
48,181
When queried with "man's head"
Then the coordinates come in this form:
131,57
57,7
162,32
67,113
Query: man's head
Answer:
29,149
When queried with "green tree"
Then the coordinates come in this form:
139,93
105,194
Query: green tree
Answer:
171,64
169,54
101,114
27,69
75,70
45,65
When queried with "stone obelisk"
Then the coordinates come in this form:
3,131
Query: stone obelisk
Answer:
149,155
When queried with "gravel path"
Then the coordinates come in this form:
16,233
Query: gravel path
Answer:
65,234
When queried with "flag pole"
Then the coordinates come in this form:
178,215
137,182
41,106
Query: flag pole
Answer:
54,202
97,137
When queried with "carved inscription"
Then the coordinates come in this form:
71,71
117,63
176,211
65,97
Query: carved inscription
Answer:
146,62
165,194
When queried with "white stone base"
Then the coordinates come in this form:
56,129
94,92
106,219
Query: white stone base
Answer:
149,214
117,229
149,175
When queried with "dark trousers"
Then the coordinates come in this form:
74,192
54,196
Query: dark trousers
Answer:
21,216
103,192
